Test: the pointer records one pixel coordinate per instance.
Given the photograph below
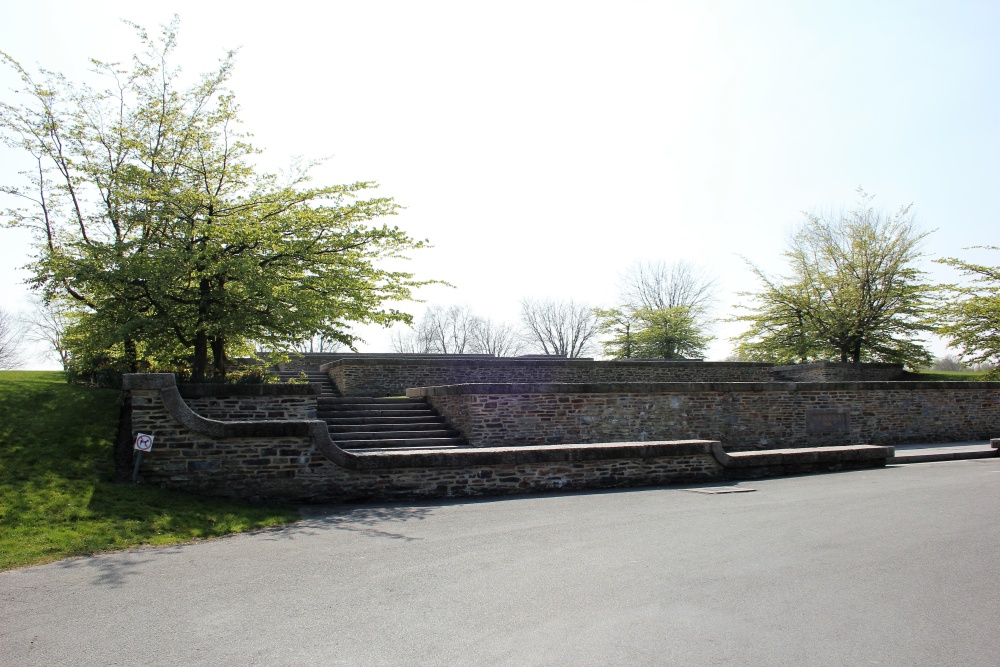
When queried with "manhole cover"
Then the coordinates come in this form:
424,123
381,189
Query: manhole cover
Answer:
720,489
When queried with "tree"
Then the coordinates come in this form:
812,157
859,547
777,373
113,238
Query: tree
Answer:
499,339
971,314
47,324
456,330
10,341
662,285
149,213
653,333
664,312
853,293
447,330
559,328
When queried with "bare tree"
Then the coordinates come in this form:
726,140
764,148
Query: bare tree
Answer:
10,341
497,338
440,331
559,328
662,285
409,342
448,330
46,324
320,344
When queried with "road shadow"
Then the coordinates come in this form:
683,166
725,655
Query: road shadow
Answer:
113,570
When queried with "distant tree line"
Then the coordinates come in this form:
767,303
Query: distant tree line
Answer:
852,292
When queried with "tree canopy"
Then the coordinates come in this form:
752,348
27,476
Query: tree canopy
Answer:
853,292
151,217
664,312
971,314
652,333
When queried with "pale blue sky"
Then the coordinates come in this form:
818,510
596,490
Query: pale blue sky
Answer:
542,147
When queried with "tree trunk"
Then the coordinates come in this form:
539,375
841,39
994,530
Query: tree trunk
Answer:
131,356
219,355
200,357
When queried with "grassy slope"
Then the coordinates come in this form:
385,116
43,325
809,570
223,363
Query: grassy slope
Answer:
56,499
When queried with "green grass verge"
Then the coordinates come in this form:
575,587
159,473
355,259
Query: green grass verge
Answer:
948,376
56,497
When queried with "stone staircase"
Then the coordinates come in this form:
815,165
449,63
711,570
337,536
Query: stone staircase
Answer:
364,423
327,388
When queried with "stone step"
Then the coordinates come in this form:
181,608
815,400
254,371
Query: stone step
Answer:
367,401
395,435
430,425
388,450
372,421
402,443
325,414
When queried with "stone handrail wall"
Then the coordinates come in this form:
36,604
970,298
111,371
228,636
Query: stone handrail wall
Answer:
740,415
253,401
392,375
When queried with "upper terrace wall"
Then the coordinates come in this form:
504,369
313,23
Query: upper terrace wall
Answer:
826,371
740,415
392,375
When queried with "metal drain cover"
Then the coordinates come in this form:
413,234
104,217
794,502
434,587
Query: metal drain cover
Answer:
713,490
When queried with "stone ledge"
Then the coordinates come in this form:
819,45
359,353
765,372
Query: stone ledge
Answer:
683,387
803,455
132,381
485,456
839,364
476,360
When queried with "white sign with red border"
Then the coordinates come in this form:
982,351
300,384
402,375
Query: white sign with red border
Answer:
143,442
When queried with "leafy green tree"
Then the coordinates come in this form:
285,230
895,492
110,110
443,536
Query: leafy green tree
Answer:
151,216
652,333
853,293
971,314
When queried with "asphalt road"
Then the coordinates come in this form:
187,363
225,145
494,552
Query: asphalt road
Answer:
896,566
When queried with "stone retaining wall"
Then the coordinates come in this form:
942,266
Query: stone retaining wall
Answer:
295,461
243,402
826,371
740,415
392,375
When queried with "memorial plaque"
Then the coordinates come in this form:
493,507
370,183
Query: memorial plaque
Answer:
827,421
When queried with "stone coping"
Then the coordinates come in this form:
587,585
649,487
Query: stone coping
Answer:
837,364
208,389
683,387
768,457
487,456
469,360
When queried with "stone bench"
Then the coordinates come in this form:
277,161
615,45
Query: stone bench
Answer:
775,462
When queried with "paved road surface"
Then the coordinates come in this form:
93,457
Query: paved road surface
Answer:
885,567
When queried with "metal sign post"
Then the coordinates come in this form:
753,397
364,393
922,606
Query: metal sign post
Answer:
143,443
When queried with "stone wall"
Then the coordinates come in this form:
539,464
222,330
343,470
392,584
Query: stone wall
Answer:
254,402
392,375
827,371
740,415
294,460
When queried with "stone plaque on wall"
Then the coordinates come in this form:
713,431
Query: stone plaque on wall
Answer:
827,421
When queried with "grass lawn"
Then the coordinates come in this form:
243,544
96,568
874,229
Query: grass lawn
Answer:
56,497
947,376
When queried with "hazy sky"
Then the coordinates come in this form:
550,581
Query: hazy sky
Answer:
543,147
